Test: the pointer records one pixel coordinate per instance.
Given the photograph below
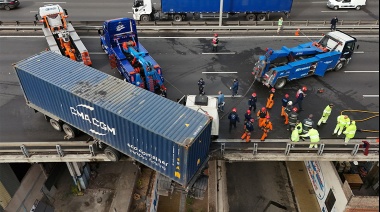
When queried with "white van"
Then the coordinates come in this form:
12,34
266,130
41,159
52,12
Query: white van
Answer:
337,4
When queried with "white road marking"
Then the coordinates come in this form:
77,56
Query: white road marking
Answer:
129,12
219,53
220,72
370,96
97,53
361,71
53,2
359,52
33,11
226,96
334,11
318,2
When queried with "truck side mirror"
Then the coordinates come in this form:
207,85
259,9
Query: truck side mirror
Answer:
100,32
357,47
65,12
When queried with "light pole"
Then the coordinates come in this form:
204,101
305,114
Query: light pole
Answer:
221,13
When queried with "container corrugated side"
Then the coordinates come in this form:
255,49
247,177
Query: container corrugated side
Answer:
237,6
155,131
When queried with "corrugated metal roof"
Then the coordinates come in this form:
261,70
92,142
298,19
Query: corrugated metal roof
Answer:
161,116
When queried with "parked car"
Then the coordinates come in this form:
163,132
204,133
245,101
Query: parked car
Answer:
9,4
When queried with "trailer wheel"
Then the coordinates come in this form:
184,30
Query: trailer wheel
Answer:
262,17
339,66
69,130
280,83
112,154
145,18
358,7
251,17
177,17
55,124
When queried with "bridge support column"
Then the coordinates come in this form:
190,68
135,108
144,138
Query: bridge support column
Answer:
80,172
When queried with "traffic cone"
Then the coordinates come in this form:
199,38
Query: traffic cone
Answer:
297,32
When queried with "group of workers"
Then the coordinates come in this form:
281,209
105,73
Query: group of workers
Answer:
299,129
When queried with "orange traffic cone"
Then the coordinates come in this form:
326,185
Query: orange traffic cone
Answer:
297,32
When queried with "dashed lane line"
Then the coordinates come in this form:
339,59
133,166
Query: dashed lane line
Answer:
333,11
219,72
370,96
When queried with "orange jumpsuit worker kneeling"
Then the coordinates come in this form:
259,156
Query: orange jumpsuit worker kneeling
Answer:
267,126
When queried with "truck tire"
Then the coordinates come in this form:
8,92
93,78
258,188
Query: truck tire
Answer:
358,7
251,17
69,130
145,18
339,66
55,124
112,154
177,18
262,17
280,83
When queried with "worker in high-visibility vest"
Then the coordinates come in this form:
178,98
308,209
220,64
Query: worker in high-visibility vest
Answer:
350,131
342,122
295,137
270,100
314,137
325,115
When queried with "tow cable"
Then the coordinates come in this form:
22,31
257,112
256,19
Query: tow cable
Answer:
375,114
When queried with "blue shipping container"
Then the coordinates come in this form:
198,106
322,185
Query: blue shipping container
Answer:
229,6
164,135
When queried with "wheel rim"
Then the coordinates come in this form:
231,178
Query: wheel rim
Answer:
7,8
357,8
68,131
55,125
177,18
145,18
281,83
251,17
335,8
339,66
261,17
111,156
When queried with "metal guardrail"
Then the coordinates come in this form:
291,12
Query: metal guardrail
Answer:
207,26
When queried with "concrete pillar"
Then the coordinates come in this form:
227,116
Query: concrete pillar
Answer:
80,172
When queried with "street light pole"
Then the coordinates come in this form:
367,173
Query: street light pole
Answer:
221,13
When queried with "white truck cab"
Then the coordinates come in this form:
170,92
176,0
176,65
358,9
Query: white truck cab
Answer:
142,10
204,104
337,4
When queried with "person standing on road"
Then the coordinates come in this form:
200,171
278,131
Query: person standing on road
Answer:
325,115
235,88
279,28
295,137
270,101
163,92
314,137
333,23
307,124
215,42
233,117
267,126
342,122
350,132
300,96
284,102
248,129
201,86
252,102
287,110
293,117
247,116
221,101
261,115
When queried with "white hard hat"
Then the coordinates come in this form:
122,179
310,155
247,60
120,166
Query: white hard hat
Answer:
290,103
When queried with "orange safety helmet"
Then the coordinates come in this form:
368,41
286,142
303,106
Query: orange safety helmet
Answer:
215,35
272,90
286,95
263,109
295,109
254,94
249,112
234,110
267,117
252,120
304,88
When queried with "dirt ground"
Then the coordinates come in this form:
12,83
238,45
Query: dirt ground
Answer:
171,203
142,190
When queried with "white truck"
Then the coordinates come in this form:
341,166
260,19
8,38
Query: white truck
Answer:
204,104
338,4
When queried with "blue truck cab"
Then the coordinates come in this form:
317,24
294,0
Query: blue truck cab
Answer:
120,42
277,67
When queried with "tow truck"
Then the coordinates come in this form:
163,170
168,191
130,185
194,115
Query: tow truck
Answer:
119,40
332,52
61,35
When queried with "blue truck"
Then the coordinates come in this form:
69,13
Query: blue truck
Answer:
332,52
143,10
120,41
121,117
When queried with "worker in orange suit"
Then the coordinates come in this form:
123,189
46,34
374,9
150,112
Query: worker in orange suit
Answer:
248,129
261,114
270,100
267,126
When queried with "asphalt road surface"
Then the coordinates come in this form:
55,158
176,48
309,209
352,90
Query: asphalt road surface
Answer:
98,10
185,60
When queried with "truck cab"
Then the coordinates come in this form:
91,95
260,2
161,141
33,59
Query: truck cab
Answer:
204,104
332,52
338,4
142,10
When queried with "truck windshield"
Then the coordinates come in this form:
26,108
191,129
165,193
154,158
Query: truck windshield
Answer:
329,42
138,3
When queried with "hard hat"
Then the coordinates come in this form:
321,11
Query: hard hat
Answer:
304,88
249,111
263,109
254,94
273,90
331,104
252,120
267,117
345,116
353,122
234,110
310,116
201,79
215,35
286,95
295,109
290,103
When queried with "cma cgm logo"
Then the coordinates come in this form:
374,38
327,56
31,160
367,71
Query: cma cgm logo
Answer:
92,120
120,27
